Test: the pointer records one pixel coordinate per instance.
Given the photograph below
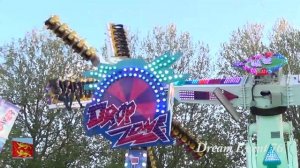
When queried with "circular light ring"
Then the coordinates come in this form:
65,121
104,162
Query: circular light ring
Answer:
263,64
147,76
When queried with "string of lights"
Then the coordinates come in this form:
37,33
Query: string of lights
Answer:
151,157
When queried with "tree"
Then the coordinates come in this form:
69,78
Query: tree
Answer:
58,136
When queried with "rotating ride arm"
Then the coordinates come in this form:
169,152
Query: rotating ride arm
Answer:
71,38
261,96
79,97
185,138
152,163
118,39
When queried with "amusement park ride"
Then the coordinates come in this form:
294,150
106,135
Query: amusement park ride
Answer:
132,101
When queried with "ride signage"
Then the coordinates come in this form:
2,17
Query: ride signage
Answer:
124,127
130,105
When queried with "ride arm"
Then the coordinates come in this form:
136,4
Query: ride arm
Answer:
71,38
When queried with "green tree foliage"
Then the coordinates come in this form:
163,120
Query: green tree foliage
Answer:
58,136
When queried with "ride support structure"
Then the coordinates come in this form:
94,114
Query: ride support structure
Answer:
267,94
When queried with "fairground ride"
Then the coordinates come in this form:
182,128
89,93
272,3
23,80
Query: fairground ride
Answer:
130,101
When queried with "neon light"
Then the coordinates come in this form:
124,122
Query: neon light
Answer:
202,95
232,80
263,64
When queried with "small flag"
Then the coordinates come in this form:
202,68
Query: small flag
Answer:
22,148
